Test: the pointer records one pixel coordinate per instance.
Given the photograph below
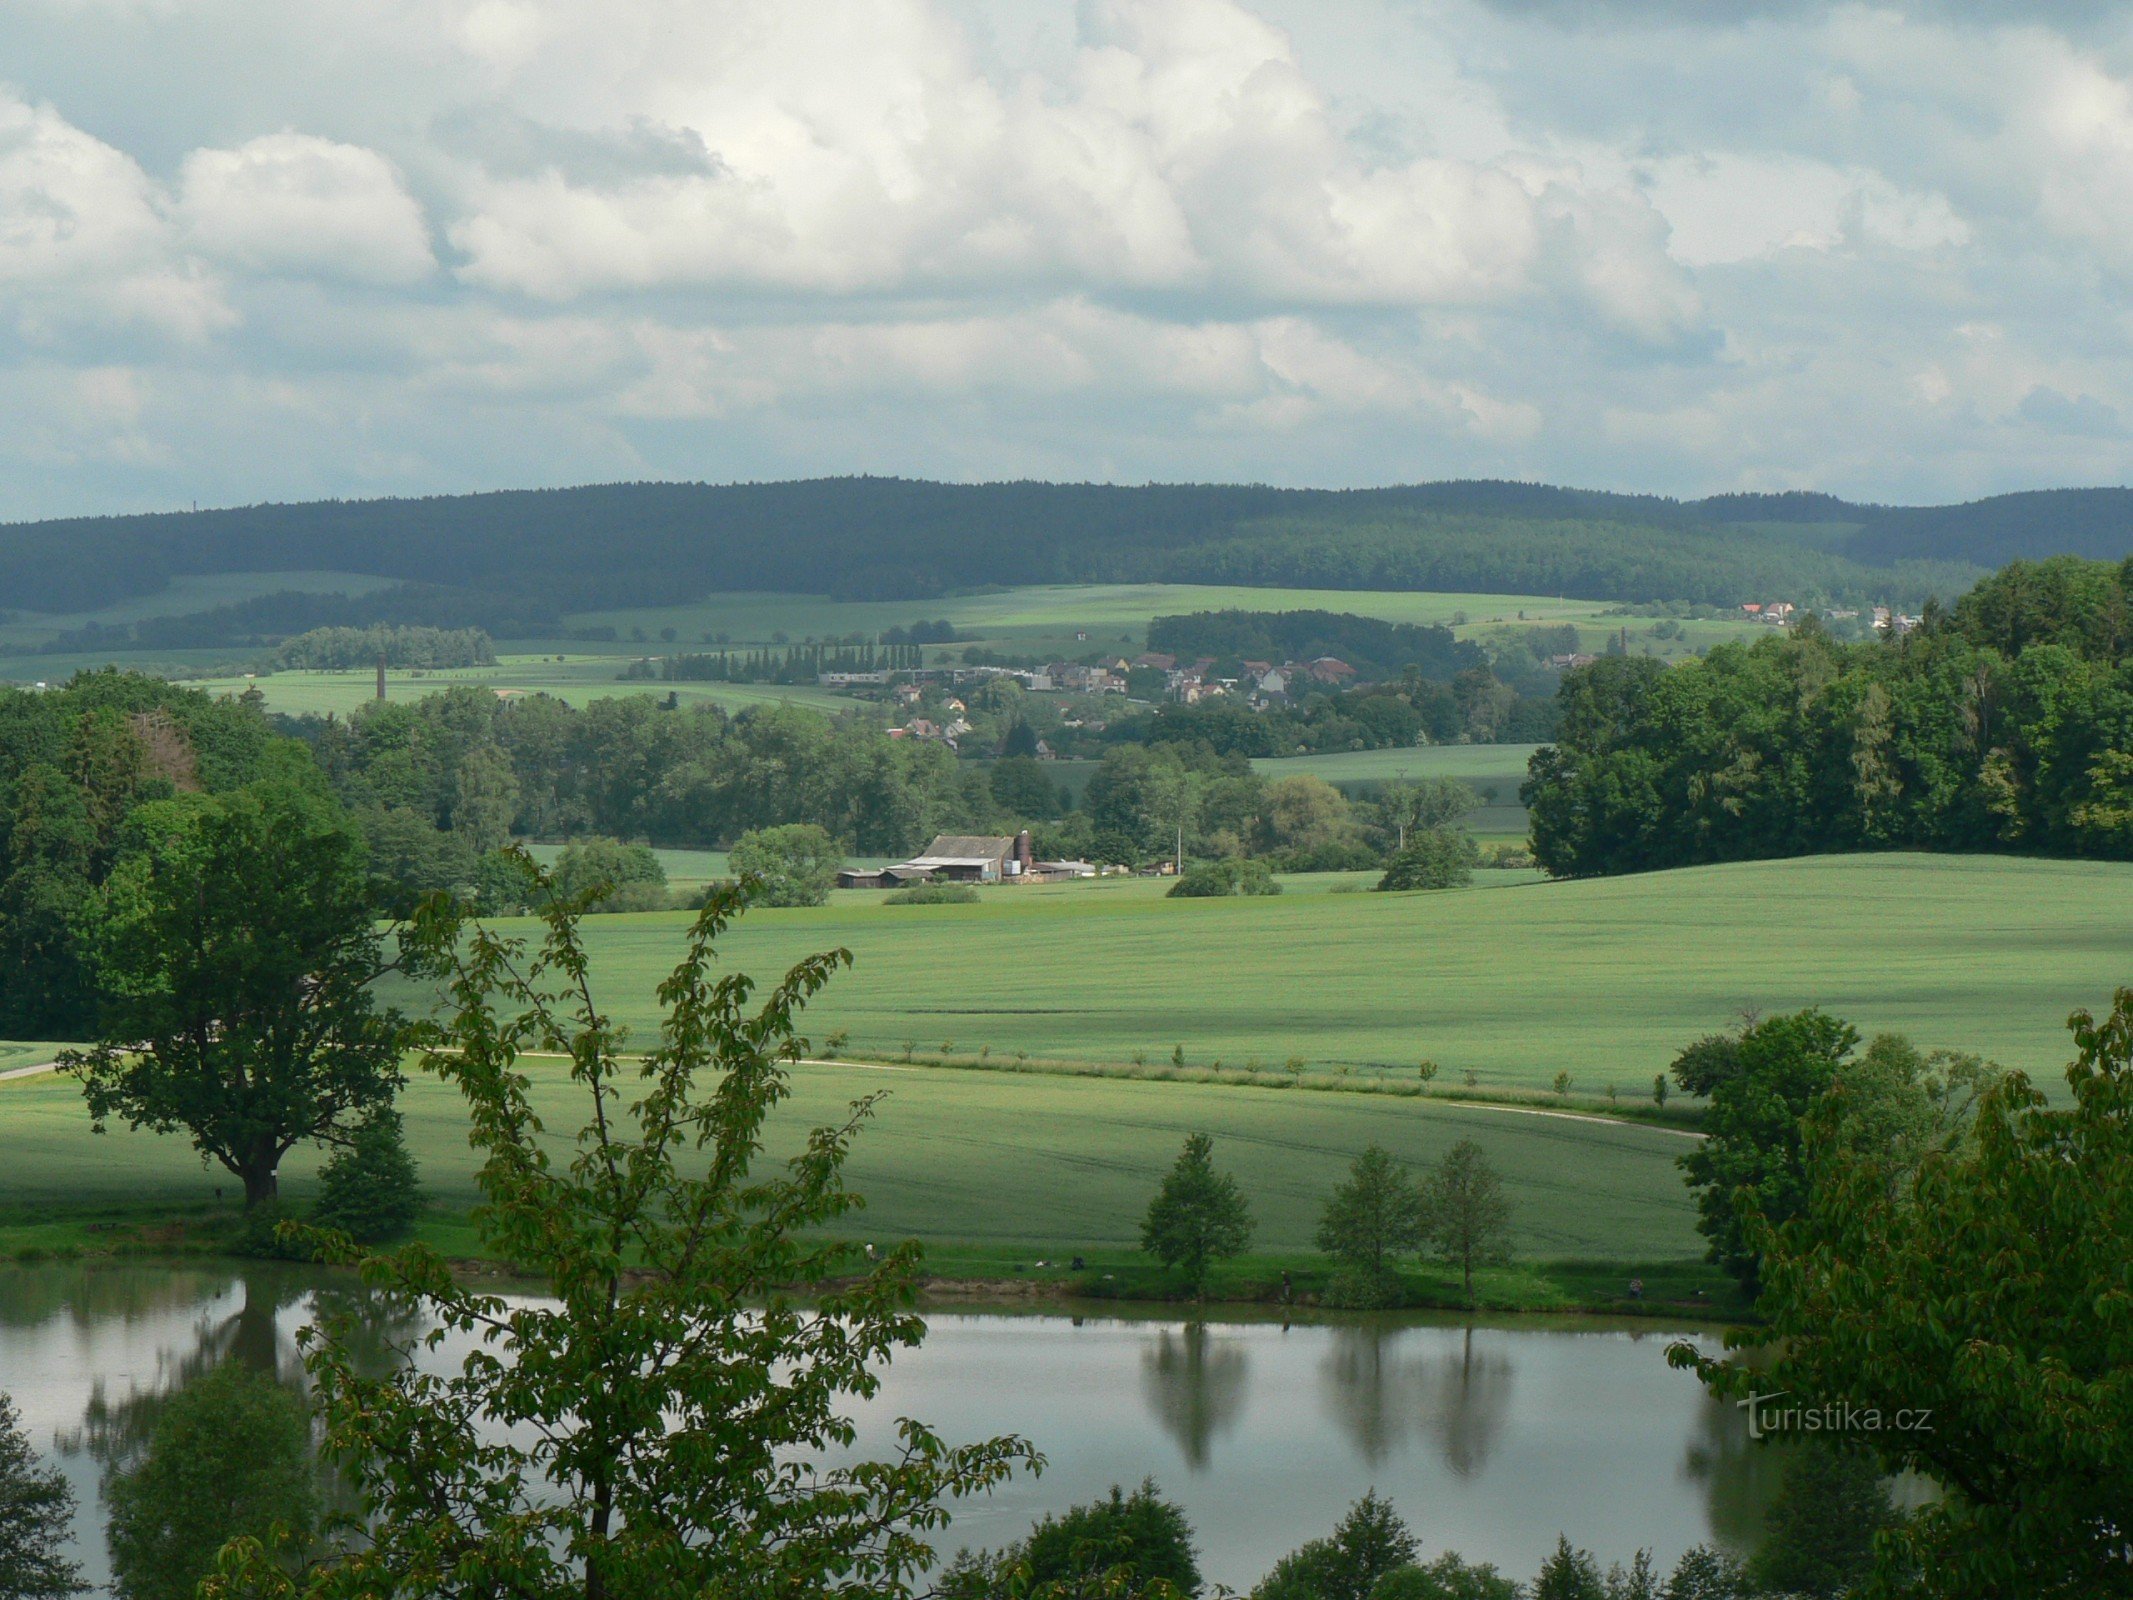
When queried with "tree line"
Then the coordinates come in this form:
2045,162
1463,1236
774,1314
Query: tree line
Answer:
798,663
1375,648
2003,723
340,649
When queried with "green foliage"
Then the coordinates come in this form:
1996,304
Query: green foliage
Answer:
1212,880
76,763
609,875
1371,1221
1376,649
1434,858
1465,1216
678,1400
794,865
36,1509
237,958
934,894
1569,1574
368,1188
1198,1216
338,649
1369,1543
1022,788
1983,1300
1704,1573
1141,1533
626,768
1819,1539
1750,1163
2003,728
1446,1578
229,1459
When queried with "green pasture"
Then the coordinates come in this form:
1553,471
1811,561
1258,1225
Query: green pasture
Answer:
1046,619
1037,1163
1514,979
1480,765
576,678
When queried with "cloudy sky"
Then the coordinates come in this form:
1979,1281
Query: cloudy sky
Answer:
258,250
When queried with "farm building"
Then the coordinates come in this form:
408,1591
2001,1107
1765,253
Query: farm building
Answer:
952,858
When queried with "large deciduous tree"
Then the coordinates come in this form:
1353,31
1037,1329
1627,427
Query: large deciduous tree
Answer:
237,957
1198,1216
1761,1084
1369,1224
1977,1311
1466,1218
678,1410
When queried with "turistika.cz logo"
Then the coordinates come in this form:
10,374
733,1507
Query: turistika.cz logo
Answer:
1766,1417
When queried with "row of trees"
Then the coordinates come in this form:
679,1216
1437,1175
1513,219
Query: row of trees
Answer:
1475,705
340,649
1376,649
798,663
1141,798
1380,1215
2004,724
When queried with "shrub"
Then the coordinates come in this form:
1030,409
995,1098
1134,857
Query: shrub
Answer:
1435,858
619,877
1218,878
933,894
1204,883
368,1189
793,866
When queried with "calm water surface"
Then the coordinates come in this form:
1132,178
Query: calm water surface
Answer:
1490,1437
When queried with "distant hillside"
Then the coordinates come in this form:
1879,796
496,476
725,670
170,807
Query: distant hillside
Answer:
2096,523
529,556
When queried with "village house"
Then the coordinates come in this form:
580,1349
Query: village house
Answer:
1330,670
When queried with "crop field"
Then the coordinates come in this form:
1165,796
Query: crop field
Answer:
982,1158
575,679
1047,620
1514,979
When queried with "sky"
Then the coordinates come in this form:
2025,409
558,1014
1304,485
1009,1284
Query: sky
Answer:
252,250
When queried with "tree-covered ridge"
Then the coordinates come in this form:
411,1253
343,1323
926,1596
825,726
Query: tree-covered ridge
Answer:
2006,724
522,557
1376,649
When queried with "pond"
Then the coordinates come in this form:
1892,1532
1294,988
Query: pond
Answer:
1491,1437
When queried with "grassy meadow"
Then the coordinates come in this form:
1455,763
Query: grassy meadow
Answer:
1514,979
989,1161
575,678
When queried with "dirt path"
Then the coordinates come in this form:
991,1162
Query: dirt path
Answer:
29,1072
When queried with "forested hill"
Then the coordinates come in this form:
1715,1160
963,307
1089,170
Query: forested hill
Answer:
536,553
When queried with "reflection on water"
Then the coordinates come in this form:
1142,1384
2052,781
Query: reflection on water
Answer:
1194,1383
1490,1438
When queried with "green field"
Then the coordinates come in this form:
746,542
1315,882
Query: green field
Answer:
1045,620
1471,763
576,679
1036,1163
1515,979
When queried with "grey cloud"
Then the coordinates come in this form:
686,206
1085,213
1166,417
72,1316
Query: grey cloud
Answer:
510,144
